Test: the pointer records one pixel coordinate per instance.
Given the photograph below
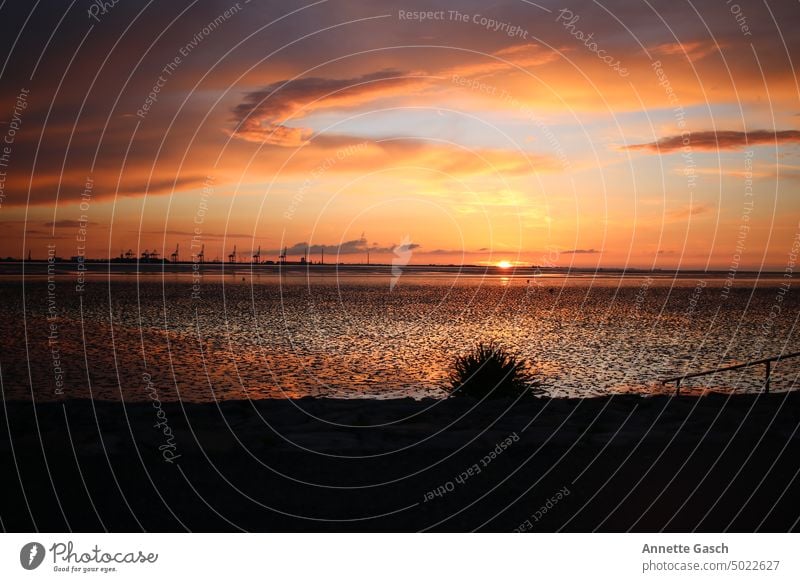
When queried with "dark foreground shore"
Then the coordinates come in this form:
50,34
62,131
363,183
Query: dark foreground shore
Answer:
609,464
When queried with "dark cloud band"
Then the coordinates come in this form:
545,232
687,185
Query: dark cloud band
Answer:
719,140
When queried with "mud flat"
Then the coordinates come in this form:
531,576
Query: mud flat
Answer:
617,463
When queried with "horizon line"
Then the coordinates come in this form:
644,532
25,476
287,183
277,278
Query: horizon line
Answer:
509,269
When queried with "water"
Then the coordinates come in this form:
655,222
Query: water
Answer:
346,335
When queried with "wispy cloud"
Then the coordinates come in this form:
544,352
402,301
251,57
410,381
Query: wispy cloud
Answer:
694,51
191,233
67,224
506,59
262,115
689,210
720,140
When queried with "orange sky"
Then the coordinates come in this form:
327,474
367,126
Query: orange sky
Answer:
513,132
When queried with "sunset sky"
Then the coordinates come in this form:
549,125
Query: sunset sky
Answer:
614,133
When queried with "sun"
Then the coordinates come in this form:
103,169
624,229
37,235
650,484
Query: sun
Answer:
504,264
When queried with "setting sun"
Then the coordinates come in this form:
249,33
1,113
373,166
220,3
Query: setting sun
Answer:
504,264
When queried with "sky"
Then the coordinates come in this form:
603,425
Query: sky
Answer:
590,134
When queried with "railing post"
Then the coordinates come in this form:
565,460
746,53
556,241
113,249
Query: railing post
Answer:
766,376
678,387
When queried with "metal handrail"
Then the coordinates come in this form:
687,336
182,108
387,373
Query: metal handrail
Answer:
767,371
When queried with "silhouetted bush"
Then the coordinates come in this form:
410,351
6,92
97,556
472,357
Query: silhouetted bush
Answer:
490,370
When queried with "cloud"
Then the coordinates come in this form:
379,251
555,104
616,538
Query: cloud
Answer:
46,184
191,233
581,252
689,210
67,224
509,58
694,51
467,252
351,247
262,115
713,140
456,161
438,159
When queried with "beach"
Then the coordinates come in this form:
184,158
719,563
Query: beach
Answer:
617,463
257,334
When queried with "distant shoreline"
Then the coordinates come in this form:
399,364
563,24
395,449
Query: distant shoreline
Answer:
37,267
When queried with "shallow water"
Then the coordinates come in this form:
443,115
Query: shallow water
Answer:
245,335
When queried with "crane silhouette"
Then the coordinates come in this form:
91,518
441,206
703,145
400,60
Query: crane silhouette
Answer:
232,256
257,255
176,255
201,257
